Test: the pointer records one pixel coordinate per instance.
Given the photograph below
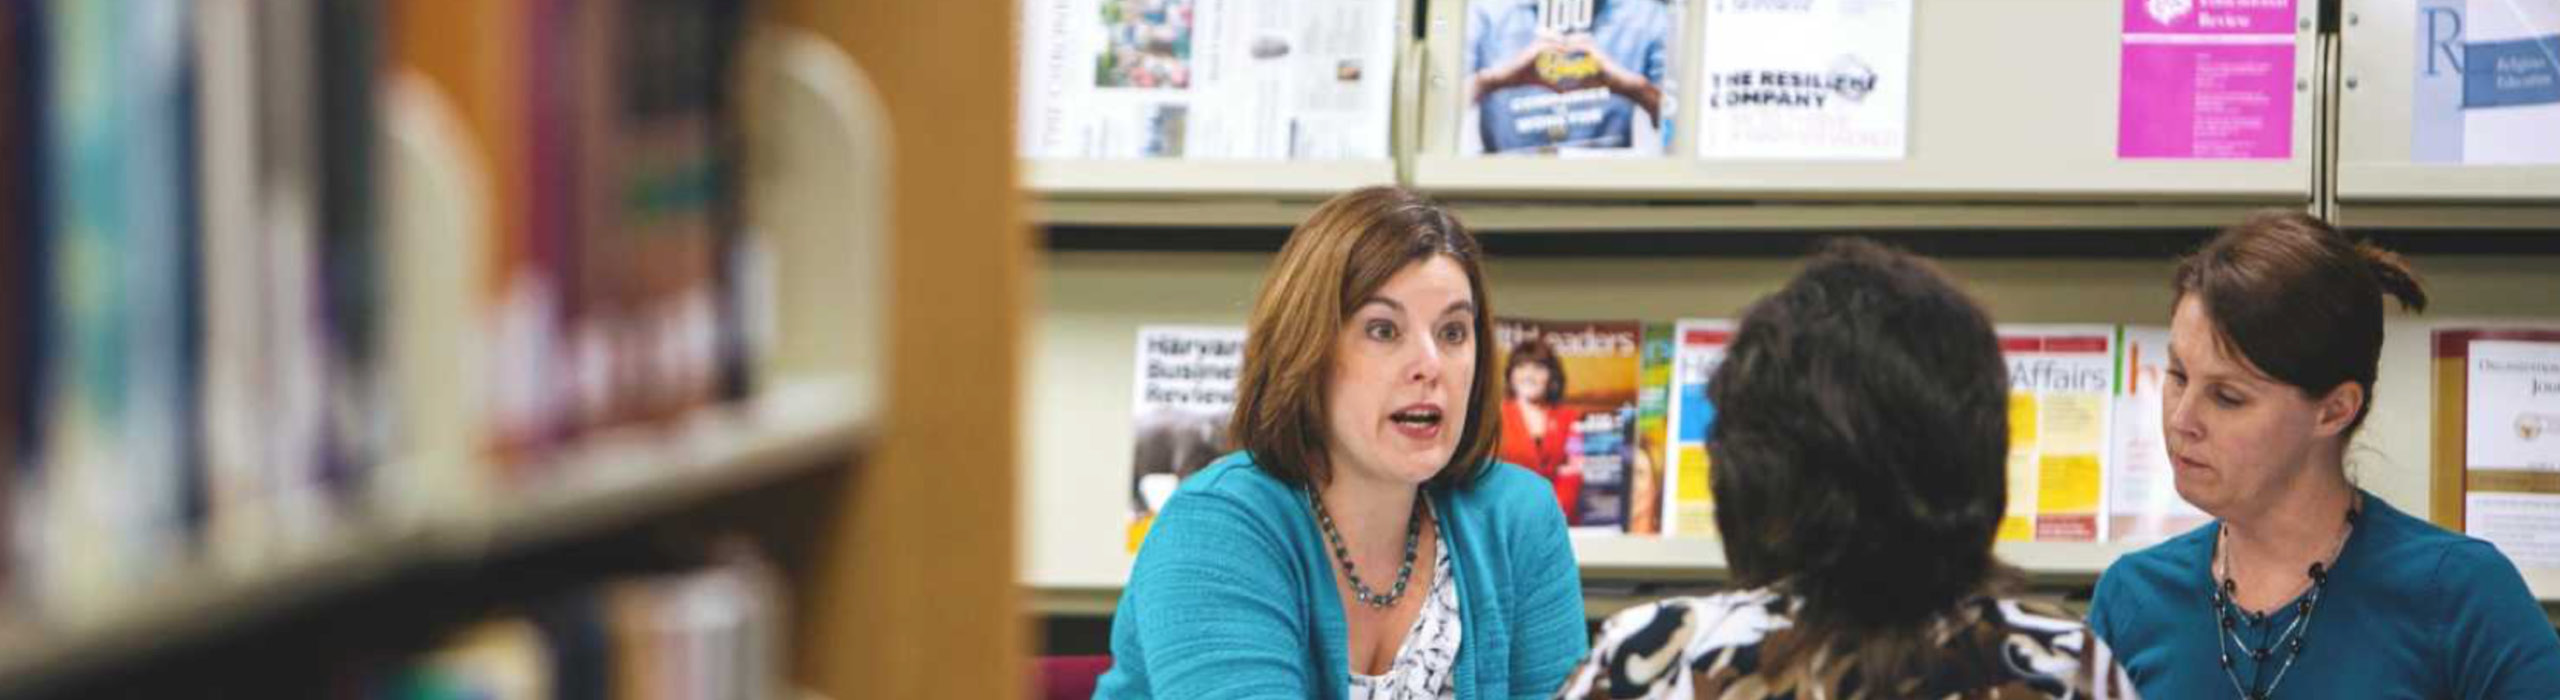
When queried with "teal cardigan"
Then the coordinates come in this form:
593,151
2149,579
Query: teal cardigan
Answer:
1233,595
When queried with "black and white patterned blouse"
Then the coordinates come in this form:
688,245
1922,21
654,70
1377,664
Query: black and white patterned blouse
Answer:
1424,663
1710,647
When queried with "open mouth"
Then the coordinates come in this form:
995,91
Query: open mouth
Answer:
1420,418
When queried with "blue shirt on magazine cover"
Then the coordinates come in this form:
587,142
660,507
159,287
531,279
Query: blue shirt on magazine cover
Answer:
1635,34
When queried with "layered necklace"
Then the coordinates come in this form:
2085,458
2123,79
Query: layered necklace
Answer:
2227,615
1404,574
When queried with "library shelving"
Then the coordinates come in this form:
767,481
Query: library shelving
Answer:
858,455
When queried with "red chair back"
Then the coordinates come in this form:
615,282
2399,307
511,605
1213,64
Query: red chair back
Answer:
1070,677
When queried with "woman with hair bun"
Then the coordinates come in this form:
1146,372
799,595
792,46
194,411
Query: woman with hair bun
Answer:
2304,586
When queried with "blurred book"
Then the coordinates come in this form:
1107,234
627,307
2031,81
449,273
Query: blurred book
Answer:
714,632
613,161
109,487
20,277
295,417
358,427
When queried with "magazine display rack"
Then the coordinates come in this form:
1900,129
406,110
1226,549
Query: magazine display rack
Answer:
1081,439
1997,112
2005,129
1078,483
1154,179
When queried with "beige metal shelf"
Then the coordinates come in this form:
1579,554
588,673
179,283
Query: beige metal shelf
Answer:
1973,138
1983,125
2098,179
2530,222
2545,584
1490,216
1176,179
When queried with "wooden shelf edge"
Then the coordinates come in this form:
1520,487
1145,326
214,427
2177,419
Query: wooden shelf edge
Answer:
1162,179
724,452
630,479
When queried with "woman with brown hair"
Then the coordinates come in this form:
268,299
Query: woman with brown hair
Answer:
2304,583
1540,427
1860,447
1362,542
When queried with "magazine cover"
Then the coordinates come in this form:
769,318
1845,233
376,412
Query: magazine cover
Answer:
2142,494
1809,79
1569,77
1185,389
2208,79
1228,79
2497,439
2485,82
1569,411
1653,413
1688,504
2062,387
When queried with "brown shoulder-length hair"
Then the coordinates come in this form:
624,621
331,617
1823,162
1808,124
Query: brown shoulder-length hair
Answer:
2300,300
1535,350
1332,263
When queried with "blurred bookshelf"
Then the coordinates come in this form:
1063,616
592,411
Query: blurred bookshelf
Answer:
444,318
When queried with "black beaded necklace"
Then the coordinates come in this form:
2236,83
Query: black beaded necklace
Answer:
2296,636
1404,574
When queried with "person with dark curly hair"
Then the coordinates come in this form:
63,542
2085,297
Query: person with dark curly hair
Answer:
1860,451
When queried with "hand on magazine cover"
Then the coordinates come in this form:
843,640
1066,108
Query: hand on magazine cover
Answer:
1620,81
1521,68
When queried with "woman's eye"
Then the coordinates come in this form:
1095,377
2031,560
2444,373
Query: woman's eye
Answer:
2228,399
1454,334
1381,330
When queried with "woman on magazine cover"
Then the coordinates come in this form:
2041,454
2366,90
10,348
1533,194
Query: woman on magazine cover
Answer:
1537,428
2304,586
1362,542
1860,475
